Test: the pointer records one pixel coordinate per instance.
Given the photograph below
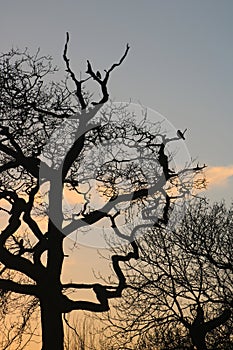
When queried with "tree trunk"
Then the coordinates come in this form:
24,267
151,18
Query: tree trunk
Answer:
198,338
52,326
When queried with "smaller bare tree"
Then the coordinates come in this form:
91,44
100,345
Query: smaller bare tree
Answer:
180,284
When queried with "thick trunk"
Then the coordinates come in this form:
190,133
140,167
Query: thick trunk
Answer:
50,287
201,345
198,338
52,326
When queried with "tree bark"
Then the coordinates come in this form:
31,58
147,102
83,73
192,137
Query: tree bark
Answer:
52,326
198,339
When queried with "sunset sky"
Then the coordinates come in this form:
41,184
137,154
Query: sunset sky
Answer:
180,62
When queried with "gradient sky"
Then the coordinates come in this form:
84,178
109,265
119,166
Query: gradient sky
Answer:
180,63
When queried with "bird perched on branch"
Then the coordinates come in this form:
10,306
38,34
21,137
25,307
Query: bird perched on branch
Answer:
98,74
180,134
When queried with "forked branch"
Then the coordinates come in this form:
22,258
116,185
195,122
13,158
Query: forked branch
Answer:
103,82
78,83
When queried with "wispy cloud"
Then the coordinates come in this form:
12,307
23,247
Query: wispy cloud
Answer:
219,175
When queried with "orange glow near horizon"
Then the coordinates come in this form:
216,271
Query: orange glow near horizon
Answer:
218,175
78,266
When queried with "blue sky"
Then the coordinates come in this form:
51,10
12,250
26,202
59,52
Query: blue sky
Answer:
180,62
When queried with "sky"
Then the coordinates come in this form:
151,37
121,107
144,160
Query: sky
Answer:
180,61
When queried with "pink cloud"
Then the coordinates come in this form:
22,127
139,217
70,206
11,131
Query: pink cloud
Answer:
218,176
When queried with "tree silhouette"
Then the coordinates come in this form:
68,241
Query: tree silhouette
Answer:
57,135
176,288
209,234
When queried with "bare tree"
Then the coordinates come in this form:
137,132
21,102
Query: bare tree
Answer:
209,233
18,320
176,287
55,135
84,333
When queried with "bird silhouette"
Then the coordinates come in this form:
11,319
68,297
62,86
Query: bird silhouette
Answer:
98,74
180,134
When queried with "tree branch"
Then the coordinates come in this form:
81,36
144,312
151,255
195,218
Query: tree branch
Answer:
12,261
103,83
11,286
78,83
